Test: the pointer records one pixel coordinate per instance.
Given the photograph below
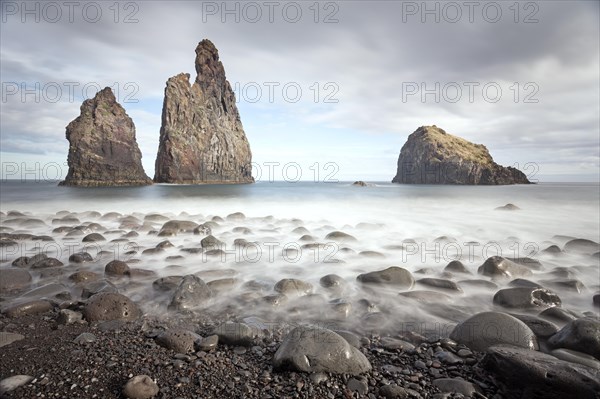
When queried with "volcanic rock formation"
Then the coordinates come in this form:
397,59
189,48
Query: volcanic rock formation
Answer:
432,156
201,138
102,146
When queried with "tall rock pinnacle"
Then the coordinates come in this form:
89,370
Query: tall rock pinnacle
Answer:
432,156
201,138
102,146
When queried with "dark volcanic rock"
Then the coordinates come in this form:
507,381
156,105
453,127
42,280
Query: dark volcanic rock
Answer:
432,156
582,335
201,137
497,266
14,279
526,297
191,292
394,275
102,146
311,349
110,306
486,329
538,375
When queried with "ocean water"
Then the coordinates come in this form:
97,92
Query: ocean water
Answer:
420,228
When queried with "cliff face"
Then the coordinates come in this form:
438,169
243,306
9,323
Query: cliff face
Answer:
201,138
102,146
432,156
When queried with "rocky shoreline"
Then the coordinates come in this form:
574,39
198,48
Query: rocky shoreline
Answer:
156,305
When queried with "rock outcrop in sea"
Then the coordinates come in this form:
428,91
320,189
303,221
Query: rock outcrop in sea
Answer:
102,146
432,156
201,138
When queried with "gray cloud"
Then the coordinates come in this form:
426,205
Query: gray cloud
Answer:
370,54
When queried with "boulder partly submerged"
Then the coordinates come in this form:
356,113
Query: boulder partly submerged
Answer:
102,146
432,156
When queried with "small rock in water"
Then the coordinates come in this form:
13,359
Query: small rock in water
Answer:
394,275
191,292
508,207
140,387
497,266
116,268
582,335
524,298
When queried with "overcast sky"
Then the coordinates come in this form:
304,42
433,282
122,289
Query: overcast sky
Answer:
523,80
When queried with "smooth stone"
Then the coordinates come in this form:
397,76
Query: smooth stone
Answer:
311,349
222,284
85,338
178,340
440,283
14,279
28,308
456,266
11,383
67,316
553,250
116,268
236,334
93,237
532,374
211,242
350,337
448,358
140,387
396,344
340,236
455,385
576,357
81,257
173,227
110,306
84,277
596,300
136,273
499,267
46,263
332,281
96,287
486,329
293,287
207,344
522,282
526,298
582,245
542,329
559,315
359,386
574,285
7,338
582,335
396,276
371,254
236,216
192,292
169,283
531,263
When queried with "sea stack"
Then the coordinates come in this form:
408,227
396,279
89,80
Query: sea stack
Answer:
102,146
201,138
432,156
